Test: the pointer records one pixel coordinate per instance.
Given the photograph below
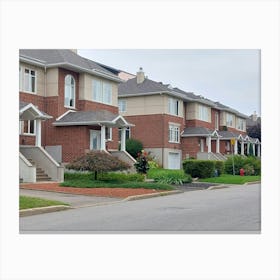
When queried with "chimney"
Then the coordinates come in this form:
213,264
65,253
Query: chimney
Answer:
254,116
140,76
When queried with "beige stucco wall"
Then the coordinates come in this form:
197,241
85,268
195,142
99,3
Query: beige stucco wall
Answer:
148,105
52,82
86,88
192,111
40,79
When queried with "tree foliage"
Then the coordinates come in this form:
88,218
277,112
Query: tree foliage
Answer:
255,131
133,147
97,161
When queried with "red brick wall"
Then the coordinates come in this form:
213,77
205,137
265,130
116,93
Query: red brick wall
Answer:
152,130
27,140
190,145
198,123
85,105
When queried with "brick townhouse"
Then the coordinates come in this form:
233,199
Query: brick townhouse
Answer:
68,106
174,125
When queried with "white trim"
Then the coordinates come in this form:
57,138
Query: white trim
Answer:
30,105
120,117
63,115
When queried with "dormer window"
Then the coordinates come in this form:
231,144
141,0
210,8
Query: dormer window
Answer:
69,91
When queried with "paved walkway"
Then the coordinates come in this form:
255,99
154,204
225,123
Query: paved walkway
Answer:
103,192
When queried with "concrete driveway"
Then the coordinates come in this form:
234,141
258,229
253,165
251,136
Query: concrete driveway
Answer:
73,200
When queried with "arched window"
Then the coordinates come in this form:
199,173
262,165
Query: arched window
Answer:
69,91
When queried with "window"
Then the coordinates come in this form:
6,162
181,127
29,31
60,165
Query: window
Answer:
203,113
122,106
229,119
27,127
28,80
173,106
127,133
102,92
240,124
174,136
108,133
69,91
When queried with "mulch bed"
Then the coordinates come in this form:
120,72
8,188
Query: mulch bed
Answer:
107,192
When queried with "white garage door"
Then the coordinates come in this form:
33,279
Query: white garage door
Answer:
174,161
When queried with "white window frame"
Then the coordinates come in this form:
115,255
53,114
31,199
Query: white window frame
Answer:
72,91
174,133
173,106
217,121
240,124
229,119
26,78
203,113
28,128
109,133
122,106
105,92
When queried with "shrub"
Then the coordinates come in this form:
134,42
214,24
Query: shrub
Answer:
165,176
133,147
153,164
199,168
249,169
220,167
142,165
255,163
239,163
97,162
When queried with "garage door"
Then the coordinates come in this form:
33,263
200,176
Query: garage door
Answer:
174,161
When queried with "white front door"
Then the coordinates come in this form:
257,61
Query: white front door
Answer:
95,139
174,161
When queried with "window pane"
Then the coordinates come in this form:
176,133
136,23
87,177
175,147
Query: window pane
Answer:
97,93
25,127
31,130
107,96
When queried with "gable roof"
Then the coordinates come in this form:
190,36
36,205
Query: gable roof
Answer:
28,111
105,117
67,59
149,87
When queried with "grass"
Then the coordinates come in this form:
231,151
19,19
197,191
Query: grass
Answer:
89,183
26,202
231,179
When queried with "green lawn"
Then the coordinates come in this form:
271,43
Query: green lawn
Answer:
26,202
231,179
89,183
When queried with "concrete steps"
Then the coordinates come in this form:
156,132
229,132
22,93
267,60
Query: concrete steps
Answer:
40,173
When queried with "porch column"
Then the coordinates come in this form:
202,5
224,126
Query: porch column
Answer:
209,144
38,133
254,150
242,147
103,140
248,148
259,150
235,147
218,145
123,132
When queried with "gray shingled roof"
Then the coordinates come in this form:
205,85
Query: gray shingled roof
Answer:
63,56
89,118
199,131
228,134
23,104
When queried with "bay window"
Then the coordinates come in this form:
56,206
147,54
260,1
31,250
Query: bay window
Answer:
173,106
102,92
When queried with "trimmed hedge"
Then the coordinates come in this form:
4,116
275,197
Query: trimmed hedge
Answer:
251,165
219,166
199,168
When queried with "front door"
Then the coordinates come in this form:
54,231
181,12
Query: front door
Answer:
95,139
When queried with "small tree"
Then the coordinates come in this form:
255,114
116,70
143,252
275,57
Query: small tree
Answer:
142,165
133,147
97,161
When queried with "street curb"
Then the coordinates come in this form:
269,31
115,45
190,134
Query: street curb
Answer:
150,195
217,187
42,210
252,183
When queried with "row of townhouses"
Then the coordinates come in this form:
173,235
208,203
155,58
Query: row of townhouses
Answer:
70,105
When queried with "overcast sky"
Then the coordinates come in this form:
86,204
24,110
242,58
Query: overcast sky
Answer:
231,77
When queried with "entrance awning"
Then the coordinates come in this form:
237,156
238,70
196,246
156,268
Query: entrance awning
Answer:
28,111
100,117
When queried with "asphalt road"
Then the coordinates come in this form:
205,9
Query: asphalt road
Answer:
222,210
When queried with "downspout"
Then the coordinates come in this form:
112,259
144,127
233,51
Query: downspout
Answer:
45,103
